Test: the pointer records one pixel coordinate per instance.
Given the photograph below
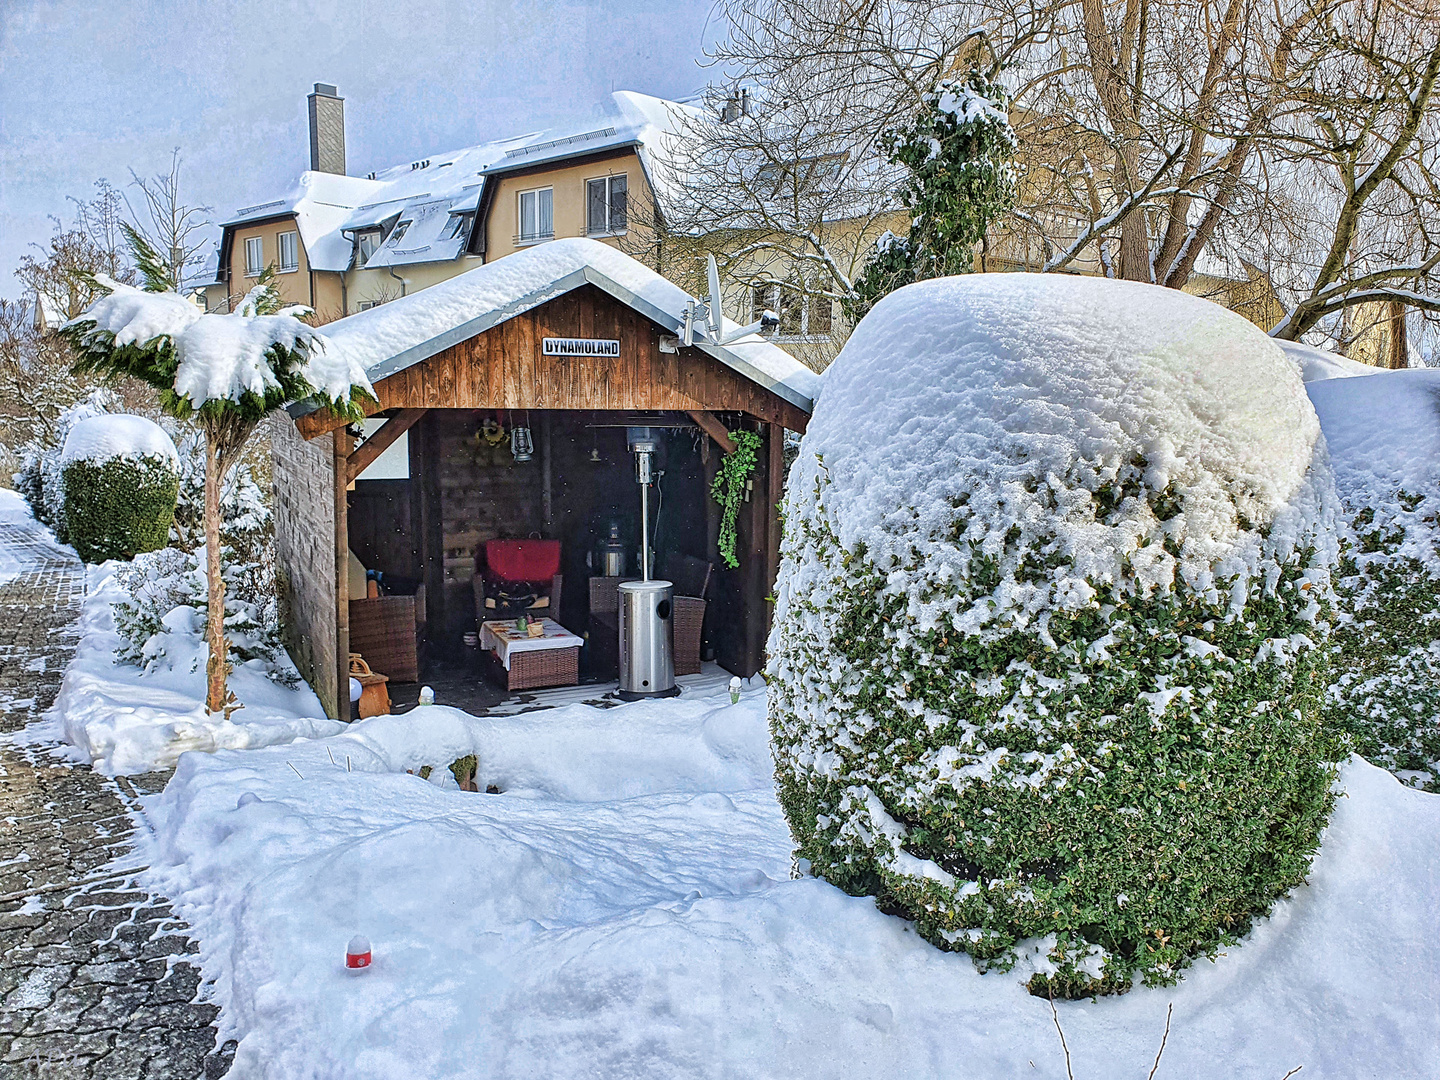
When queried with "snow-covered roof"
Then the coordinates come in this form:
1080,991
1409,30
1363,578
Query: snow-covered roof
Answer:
321,203
426,193
397,335
49,312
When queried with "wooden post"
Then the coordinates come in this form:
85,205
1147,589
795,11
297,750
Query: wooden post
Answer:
547,483
775,484
340,438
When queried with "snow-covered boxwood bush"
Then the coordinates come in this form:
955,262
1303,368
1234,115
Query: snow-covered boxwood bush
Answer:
1044,672
38,479
1384,439
120,476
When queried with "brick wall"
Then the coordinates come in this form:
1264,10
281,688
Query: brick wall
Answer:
304,505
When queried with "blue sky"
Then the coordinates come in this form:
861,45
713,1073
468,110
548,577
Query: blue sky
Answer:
93,89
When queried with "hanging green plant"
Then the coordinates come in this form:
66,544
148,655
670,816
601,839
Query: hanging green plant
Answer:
728,489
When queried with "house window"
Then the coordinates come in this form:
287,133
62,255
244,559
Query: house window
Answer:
458,227
605,209
399,232
366,244
289,252
802,318
537,216
254,256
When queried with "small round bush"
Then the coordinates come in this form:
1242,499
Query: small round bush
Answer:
120,478
1045,672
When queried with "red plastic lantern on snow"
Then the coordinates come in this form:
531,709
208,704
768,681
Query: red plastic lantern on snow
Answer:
357,953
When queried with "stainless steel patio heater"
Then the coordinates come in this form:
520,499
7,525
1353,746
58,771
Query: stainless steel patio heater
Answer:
647,632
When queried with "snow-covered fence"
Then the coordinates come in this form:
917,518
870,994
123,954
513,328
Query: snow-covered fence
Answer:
1044,667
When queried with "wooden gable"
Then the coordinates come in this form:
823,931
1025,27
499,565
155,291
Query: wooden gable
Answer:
504,368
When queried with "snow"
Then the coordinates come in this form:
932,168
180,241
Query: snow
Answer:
117,435
12,505
1319,364
1013,395
624,907
369,339
1383,432
967,104
219,357
126,721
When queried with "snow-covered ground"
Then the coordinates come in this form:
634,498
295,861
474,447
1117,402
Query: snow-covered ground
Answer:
11,504
124,720
624,908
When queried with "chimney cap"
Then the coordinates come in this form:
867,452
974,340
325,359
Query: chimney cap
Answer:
326,89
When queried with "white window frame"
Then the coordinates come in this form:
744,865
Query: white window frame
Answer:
374,238
537,237
608,228
254,256
770,297
281,265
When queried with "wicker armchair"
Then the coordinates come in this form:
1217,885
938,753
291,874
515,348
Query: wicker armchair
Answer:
388,631
691,577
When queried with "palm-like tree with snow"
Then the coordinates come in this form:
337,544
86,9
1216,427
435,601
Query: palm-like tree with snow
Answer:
226,371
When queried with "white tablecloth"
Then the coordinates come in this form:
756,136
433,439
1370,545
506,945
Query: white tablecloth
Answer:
501,638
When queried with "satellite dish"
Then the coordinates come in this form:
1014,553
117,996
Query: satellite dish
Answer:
713,310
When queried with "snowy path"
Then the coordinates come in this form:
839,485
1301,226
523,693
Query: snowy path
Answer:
91,980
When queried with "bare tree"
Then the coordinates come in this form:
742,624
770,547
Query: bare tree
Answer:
1364,136
170,226
781,172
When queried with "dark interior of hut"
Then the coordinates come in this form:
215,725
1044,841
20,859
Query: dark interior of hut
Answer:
577,485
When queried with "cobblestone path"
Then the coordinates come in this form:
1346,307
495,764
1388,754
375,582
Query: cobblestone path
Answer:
93,977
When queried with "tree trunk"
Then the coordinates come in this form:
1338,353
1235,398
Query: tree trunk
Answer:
215,615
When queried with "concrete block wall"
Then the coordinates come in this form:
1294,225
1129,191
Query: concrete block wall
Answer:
304,507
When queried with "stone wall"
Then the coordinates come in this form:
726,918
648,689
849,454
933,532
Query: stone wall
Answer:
304,487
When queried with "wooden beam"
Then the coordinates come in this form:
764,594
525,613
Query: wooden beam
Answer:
714,428
364,455
340,452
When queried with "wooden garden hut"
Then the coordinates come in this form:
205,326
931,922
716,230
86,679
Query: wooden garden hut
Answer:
572,341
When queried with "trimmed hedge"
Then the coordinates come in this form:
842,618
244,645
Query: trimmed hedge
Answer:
1055,700
1386,694
119,507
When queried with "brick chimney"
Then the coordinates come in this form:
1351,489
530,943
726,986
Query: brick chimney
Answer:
327,129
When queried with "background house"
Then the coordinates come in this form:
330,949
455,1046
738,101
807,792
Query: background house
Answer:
342,244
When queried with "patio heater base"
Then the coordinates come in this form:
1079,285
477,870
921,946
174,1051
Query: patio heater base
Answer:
635,695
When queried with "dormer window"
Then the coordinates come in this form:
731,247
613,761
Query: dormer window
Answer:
366,244
458,227
605,210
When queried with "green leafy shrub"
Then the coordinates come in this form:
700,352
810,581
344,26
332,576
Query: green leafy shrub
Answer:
1383,434
1044,675
119,507
1386,695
